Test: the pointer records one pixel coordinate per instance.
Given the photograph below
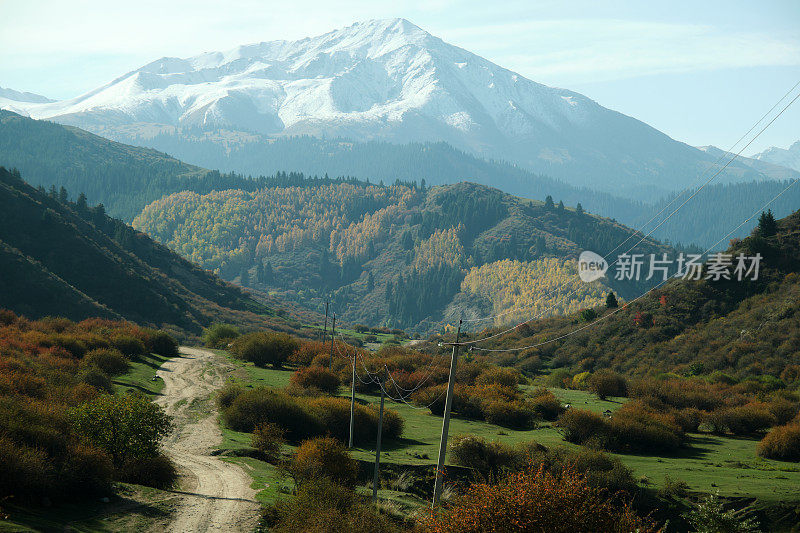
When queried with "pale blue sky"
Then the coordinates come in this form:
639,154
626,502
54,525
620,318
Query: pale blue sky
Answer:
702,72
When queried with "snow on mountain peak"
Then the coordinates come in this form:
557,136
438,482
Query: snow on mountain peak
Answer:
379,80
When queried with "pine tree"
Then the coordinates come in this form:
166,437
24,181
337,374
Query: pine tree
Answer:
81,203
560,205
63,196
766,224
611,301
548,202
579,209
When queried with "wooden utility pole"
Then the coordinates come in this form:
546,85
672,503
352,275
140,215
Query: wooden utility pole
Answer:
437,486
378,449
325,327
333,335
352,402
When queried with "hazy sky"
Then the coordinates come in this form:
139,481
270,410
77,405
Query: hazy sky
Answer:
701,71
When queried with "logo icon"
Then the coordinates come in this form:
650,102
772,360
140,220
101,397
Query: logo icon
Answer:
591,266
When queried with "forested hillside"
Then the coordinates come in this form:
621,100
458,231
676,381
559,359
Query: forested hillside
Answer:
726,329
64,258
393,255
126,178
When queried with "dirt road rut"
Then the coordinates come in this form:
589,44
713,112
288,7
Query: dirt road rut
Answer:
215,495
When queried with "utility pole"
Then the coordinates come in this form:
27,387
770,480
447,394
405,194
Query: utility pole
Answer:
437,486
325,327
378,449
333,335
352,402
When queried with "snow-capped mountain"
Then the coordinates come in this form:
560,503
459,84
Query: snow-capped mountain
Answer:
387,80
784,157
768,168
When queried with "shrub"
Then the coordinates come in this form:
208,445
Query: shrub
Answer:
127,427
783,410
152,471
507,377
782,443
578,425
673,488
91,375
259,406
264,349
490,458
316,377
602,470
324,457
220,335
228,393
560,378
162,343
748,419
545,405
110,361
689,419
536,500
307,351
86,469
605,383
516,415
129,346
269,439
636,427
333,417
24,471
322,506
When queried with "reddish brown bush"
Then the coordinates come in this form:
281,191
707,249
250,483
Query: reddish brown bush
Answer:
605,383
316,377
536,501
782,443
507,377
579,425
545,405
324,457
748,419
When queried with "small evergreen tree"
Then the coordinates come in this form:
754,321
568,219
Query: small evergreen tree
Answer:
766,224
548,202
579,209
710,516
63,196
611,301
560,205
81,202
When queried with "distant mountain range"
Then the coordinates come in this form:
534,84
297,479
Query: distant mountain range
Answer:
382,80
789,158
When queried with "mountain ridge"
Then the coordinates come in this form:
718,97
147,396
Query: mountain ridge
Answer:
390,80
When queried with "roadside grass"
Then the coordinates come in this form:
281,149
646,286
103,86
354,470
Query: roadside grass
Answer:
132,508
727,464
140,376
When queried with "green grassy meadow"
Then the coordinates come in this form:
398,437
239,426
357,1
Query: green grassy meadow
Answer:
711,463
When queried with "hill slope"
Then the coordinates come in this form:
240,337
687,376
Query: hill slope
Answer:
390,80
747,328
66,259
123,178
395,255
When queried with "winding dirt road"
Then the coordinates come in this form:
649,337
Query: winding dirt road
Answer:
215,495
